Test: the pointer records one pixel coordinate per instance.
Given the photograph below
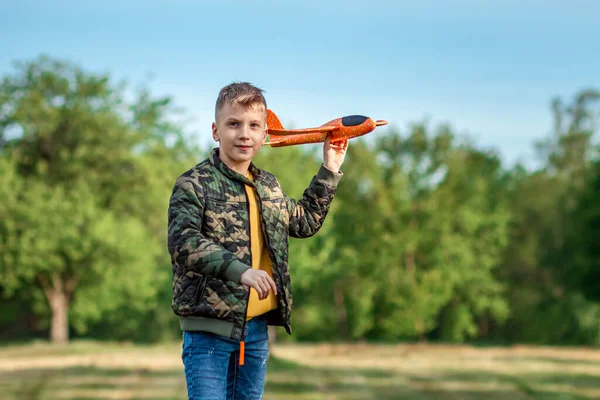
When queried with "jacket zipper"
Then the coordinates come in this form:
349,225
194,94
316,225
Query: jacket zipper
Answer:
242,344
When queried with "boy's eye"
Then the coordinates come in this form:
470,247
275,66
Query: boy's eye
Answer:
233,123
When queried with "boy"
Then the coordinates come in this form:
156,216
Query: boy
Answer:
229,224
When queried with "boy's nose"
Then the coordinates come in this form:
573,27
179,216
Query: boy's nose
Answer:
245,133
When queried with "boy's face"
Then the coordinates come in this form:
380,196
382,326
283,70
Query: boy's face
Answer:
240,132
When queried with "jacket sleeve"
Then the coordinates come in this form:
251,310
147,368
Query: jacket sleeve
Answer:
188,247
308,213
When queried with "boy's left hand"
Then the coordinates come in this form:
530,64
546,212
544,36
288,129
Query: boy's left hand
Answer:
334,154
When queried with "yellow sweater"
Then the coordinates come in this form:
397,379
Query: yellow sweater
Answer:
260,256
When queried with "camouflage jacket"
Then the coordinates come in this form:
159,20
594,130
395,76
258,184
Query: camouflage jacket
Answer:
209,241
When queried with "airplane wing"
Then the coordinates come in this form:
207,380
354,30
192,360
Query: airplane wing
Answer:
284,132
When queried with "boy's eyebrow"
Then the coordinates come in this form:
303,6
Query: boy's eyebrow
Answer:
234,119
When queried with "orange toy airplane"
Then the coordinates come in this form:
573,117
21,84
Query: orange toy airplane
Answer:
341,128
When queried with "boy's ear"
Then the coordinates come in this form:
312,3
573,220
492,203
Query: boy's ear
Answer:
214,132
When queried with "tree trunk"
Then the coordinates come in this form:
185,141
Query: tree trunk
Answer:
340,309
59,332
420,328
484,327
409,257
59,298
409,260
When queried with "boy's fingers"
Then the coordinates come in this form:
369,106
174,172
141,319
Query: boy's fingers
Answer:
259,291
263,284
273,286
264,289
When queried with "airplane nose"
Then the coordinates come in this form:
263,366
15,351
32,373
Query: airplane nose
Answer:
380,122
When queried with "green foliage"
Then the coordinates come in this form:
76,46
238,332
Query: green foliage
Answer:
542,262
89,176
584,272
429,236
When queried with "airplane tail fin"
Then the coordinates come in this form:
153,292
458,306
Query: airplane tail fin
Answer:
273,121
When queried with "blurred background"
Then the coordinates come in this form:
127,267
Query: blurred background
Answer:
459,259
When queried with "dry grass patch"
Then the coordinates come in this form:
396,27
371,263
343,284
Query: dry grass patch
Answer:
84,371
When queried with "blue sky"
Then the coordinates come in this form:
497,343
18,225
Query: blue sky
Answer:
489,69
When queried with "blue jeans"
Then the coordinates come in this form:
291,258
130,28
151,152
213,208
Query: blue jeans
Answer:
211,364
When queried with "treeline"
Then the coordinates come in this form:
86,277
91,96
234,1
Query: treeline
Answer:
429,237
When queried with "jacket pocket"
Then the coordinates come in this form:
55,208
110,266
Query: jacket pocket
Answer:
200,292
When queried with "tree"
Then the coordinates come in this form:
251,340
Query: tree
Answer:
540,262
583,246
88,178
446,234
416,234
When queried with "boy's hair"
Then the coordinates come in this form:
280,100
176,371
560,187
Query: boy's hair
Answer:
241,93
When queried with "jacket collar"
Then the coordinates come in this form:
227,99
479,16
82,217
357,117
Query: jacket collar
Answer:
228,172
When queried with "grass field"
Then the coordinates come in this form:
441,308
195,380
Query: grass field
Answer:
417,372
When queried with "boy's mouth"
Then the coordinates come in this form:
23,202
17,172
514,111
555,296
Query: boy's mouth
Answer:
244,147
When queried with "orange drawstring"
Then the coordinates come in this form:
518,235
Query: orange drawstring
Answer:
241,353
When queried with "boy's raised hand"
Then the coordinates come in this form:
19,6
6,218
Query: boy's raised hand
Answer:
334,154
260,281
